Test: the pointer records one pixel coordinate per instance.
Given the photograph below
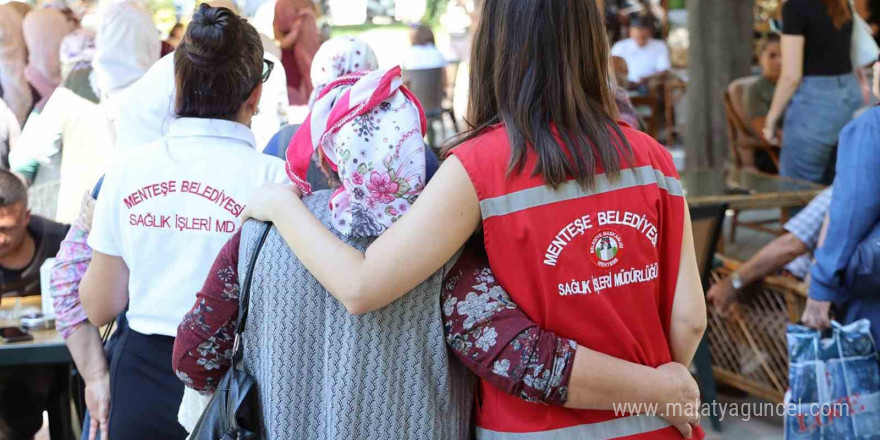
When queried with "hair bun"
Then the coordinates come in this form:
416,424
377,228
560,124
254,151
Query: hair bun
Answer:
214,36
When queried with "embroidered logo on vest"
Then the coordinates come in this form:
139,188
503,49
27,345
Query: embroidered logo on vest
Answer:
606,248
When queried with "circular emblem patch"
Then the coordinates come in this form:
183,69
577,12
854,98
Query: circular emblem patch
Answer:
606,248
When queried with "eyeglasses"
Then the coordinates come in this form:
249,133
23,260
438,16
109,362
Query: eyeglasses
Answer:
267,70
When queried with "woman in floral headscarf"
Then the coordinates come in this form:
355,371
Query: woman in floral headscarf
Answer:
383,375
337,57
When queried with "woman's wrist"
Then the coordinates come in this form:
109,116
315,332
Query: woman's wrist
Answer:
660,391
96,376
281,206
770,123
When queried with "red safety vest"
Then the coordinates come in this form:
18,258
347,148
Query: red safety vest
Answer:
595,265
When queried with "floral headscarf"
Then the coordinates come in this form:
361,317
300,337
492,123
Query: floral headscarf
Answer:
368,128
338,57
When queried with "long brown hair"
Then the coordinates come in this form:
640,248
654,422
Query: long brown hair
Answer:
839,12
537,65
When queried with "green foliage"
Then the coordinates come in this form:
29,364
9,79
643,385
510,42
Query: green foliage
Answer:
164,14
434,10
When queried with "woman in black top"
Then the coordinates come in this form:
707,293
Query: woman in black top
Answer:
817,86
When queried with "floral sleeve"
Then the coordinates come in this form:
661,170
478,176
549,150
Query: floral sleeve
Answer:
71,263
496,340
203,348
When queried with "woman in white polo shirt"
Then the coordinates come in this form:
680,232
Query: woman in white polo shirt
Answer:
167,209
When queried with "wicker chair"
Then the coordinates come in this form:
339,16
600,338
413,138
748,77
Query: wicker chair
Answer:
748,347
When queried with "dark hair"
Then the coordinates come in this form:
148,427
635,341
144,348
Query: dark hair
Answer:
12,189
422,35
765,42
541,68
839,12
636,21
217,64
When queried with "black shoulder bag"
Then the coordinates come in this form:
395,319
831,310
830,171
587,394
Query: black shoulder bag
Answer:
233,412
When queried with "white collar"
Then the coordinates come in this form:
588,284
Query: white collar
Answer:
195,127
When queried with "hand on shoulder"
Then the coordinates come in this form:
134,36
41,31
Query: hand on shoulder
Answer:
267,201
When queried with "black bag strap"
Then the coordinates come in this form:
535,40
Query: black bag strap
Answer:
244,297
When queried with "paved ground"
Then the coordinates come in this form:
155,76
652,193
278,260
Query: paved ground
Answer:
761,427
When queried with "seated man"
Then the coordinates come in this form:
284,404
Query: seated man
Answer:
646,58
792,252
423,53
25,243
758,96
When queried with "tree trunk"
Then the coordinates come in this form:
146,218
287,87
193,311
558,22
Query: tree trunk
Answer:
720,51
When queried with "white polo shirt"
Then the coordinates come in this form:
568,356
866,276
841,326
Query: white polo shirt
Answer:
167,209
645,61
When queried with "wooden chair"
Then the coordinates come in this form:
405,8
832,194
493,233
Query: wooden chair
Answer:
648,110
739,133
706,222
427,85
748,346
741,137
674,90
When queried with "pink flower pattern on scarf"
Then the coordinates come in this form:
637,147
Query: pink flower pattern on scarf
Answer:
382,188
368,128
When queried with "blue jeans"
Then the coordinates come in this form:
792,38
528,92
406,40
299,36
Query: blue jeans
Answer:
820,108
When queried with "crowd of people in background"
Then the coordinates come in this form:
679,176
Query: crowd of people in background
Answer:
371,315
812,101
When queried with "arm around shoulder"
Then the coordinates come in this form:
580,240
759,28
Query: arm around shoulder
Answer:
420,243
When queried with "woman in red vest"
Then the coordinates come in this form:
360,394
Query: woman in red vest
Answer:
584,223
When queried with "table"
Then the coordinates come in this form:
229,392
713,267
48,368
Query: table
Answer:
746,189
47,348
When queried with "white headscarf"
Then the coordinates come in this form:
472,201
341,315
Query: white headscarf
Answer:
127,45
338,57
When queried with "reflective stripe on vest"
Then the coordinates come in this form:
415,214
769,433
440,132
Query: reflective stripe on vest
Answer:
610,429
544,195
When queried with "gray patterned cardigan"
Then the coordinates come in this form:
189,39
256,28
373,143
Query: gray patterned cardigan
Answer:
325,374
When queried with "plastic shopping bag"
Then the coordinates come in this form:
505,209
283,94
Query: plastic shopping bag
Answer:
834,384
